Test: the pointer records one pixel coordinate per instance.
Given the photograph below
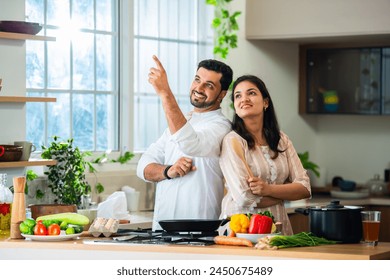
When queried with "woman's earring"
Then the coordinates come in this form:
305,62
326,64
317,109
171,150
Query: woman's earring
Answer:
265,109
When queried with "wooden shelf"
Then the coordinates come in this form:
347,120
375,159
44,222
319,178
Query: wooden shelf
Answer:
22,99
31,162
21,36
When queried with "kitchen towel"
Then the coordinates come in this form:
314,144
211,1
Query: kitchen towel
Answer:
115,206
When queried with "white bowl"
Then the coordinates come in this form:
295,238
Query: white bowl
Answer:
255,237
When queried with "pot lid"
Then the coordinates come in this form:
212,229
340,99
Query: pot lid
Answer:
334,204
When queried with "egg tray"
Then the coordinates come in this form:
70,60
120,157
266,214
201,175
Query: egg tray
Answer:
104,226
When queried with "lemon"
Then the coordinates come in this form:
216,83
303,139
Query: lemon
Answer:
273,229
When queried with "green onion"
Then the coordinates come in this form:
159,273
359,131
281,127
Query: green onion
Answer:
301,239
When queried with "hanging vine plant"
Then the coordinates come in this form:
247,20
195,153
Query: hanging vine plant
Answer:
225,26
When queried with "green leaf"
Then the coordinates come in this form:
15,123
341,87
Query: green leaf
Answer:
225,13
99,188
211,2
125,158
307,164
223,24
31,175
39,194
216,23
235,15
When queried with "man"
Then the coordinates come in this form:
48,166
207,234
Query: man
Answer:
184,160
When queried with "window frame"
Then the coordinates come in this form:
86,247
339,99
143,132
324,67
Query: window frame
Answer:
115,90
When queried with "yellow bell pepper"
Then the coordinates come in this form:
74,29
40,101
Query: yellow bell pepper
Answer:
239,223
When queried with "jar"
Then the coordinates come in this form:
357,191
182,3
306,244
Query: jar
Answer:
6,198
377,186
387,179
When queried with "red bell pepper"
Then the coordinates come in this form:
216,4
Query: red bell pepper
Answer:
260,224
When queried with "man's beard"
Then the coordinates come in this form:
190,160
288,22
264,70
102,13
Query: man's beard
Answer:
202,104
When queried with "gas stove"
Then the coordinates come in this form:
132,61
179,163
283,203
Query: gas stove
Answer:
161,238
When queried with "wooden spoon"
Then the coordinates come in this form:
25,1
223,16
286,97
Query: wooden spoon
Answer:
240,153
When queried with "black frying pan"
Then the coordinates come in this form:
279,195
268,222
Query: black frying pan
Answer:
188,225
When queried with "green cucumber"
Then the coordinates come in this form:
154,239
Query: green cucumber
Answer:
77,228
69,217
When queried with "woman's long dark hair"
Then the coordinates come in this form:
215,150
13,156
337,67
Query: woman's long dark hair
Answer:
270,124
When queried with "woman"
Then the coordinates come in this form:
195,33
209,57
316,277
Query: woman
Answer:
278,173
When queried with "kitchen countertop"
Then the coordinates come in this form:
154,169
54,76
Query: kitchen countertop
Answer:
84,247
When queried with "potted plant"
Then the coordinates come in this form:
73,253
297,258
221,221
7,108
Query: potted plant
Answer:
67,179
309,165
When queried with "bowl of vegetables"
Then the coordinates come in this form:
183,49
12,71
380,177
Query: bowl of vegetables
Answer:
254,226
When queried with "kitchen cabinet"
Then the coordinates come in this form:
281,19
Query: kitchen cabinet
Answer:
345,79
299,222
317,20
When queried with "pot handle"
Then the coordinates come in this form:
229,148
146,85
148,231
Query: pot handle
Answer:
2,150
304,211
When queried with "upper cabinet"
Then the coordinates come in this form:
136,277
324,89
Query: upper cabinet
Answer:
312,21
344,80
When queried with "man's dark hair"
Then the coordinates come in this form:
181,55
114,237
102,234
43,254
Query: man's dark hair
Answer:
219,67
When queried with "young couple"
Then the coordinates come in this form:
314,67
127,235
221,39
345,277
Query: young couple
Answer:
202,152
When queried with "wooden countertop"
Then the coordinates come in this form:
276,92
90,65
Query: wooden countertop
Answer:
87,248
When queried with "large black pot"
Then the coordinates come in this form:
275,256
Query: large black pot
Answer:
335,222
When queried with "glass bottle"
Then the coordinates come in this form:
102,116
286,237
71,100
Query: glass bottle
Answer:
6,198
377,186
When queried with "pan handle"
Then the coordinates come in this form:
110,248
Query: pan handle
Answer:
224,221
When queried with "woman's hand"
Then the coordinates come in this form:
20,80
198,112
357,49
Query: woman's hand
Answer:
258,186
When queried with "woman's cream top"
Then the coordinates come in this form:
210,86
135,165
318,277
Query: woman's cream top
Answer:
286,168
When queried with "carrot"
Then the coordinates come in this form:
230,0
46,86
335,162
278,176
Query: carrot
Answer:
234,241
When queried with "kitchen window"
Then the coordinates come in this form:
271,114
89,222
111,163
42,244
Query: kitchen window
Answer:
180,34
97,105
79,69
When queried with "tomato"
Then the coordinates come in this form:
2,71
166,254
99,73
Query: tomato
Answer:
54,229
40,229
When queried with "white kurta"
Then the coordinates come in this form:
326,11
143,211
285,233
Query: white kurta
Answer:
287,167
197,195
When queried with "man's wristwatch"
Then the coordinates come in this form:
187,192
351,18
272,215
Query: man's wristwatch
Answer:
166,172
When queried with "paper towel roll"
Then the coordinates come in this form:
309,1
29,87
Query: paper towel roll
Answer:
132,201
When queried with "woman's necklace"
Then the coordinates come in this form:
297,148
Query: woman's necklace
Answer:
261,142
